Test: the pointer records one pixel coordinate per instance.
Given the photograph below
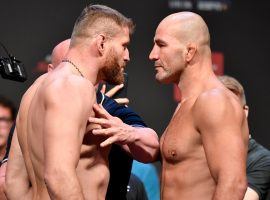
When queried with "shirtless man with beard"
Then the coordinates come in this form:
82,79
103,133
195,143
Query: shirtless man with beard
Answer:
63,159
205,144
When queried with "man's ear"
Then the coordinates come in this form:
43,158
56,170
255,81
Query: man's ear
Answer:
50,67
191,50
246,109
101,43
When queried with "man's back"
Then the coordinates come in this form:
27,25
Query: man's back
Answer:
22,188
43,135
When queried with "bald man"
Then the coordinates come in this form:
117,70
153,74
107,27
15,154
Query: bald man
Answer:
204,147
59,152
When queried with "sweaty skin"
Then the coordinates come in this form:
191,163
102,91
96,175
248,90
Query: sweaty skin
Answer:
204,147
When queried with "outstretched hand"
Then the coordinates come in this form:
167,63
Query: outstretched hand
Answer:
113,91
112,127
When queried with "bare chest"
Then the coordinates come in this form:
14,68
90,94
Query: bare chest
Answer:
180,139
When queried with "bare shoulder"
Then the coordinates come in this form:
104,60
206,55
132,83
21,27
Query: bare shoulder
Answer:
28,95
217,106
68,89
32,89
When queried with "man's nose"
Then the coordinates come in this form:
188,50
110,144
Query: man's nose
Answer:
154,54
126,57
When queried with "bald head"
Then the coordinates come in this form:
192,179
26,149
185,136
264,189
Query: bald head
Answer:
188,27
59,52
181,40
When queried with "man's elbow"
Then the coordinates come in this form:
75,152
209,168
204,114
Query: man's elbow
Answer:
53,179
152,153
241,186
154,148
148,157
155,154
237,186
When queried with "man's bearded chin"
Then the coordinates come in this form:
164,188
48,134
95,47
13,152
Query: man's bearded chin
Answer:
113,75
112,72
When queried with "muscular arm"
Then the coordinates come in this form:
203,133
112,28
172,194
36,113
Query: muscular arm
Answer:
17,181
220,120
68,106
145,146
141,142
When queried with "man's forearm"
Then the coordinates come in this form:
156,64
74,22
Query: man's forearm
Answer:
230,189
145,147
64,186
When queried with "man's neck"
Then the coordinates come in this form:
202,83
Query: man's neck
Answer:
86,65
196,79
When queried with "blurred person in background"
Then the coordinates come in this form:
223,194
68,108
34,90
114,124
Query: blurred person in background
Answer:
258,159
7,117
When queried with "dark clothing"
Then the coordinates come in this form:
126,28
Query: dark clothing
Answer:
127,115
120,162
135,189
120,165
258,168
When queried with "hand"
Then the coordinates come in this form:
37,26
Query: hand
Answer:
91,126
113,91
112,127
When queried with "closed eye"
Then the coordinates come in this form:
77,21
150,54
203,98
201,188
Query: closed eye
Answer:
160,43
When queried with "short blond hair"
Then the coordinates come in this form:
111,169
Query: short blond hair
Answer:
96,19
235,86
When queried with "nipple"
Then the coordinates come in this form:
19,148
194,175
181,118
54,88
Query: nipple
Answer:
172,153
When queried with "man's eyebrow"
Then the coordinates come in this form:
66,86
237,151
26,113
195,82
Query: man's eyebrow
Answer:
160,41
126,43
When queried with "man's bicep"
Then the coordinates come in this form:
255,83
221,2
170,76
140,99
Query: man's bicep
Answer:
222,138
64,128
61,140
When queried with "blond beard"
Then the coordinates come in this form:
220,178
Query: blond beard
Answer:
112,71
